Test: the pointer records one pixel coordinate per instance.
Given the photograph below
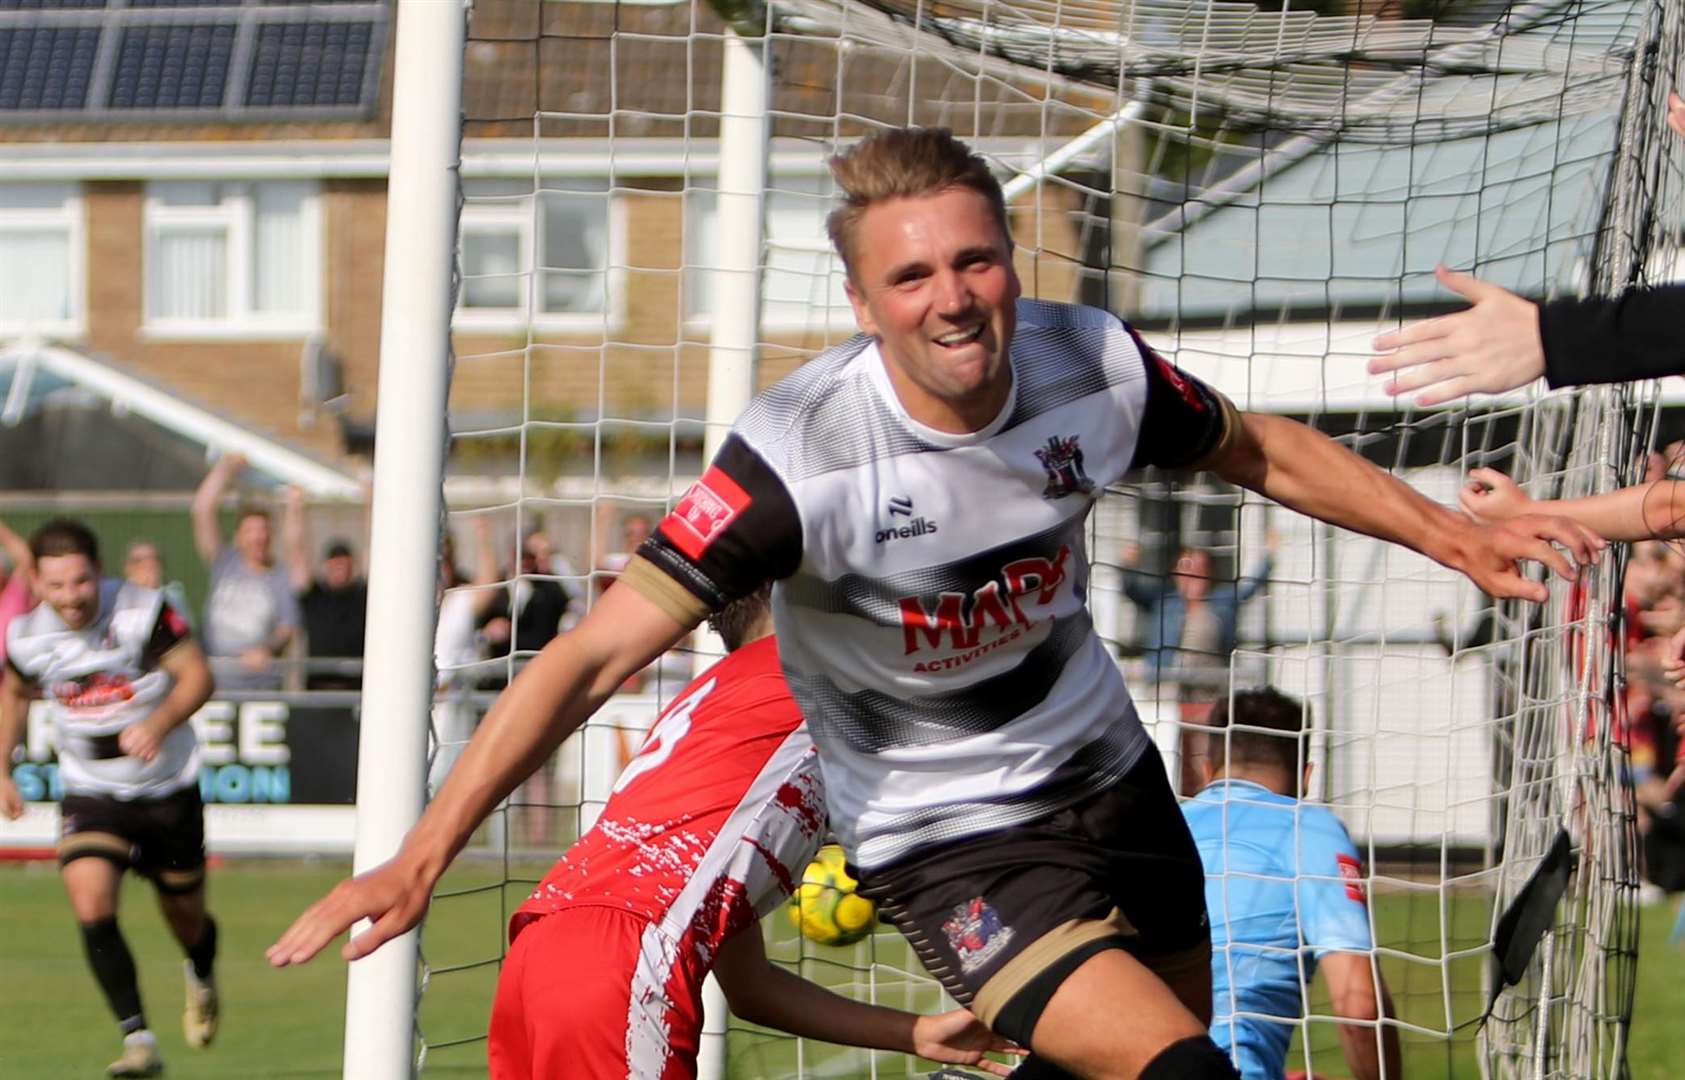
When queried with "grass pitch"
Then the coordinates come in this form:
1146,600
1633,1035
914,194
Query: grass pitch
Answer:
54,1026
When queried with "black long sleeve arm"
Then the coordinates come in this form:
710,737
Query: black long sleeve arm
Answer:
1637,335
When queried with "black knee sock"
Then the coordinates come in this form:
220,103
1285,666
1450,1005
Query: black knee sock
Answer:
1193,1058
203,951
114,968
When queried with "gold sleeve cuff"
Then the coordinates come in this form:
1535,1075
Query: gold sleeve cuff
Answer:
1226,441
656,586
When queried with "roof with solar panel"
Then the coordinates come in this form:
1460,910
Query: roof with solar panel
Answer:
186,60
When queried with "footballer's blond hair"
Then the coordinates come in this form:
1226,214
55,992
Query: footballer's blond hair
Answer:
904,163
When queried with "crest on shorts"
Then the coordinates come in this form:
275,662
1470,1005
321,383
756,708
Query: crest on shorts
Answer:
976,934
1062,458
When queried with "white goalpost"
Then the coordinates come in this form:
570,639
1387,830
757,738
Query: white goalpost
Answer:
638,246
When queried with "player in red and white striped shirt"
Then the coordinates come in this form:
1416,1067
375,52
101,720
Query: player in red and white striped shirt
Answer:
708,829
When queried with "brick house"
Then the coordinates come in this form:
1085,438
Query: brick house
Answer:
196,193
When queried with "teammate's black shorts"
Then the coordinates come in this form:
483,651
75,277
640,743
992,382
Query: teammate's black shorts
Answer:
163,839
1003,918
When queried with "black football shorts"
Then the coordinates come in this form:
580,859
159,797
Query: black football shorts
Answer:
163,838
1003,918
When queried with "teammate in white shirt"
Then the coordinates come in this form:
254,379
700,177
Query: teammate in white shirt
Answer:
123,676
919,496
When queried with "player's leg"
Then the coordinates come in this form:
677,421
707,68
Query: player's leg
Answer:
93,855
170,850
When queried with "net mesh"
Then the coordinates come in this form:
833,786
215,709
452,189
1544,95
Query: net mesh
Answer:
1260,190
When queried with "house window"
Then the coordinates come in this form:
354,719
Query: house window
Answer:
233,258
41,259
801,277
547,253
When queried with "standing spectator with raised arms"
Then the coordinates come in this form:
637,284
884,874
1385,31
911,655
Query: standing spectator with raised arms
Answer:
251,613
983,763
122,677
333,605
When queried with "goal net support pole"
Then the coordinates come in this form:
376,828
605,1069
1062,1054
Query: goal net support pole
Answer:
733,359
408,496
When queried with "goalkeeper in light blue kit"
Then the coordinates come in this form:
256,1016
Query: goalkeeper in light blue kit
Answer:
1285,888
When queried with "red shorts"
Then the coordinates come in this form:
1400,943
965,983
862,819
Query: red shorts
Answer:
595,994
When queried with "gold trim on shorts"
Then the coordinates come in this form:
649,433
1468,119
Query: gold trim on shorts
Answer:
181,880
79,844
1041,954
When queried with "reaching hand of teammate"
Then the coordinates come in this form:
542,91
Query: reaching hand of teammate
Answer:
1492,347
959,1038
1493,563
1490,496
11,800
138,740
1676,113
393,894
1673,659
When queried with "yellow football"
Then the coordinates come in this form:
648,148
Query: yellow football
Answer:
825,906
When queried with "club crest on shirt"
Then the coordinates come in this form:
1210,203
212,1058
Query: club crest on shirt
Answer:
1062,458
976,934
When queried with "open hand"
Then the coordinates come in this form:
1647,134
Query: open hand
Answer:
1493,561
959,1038
1492,347
1490,496
393,894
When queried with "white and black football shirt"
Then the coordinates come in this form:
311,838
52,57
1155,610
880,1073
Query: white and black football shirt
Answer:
930,597
99,680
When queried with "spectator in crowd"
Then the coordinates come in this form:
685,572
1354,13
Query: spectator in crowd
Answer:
1190,623
251,614
634,530
1504,341
143,565
524,617
552,561
1284,885
17,582
334,603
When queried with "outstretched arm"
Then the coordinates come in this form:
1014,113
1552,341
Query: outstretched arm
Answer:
17,550
765,994
14,710
1358,992
1653,511
1309,472
295,541
207,532
565,683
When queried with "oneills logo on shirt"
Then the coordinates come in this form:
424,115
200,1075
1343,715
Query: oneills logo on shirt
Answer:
711,504
958,621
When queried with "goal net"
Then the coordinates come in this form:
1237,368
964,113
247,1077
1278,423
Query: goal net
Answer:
1259,188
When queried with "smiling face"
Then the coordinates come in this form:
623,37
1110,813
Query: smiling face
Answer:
69,584
932,280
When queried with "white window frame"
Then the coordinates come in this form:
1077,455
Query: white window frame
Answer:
70,215
518,214
775,317
237,215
